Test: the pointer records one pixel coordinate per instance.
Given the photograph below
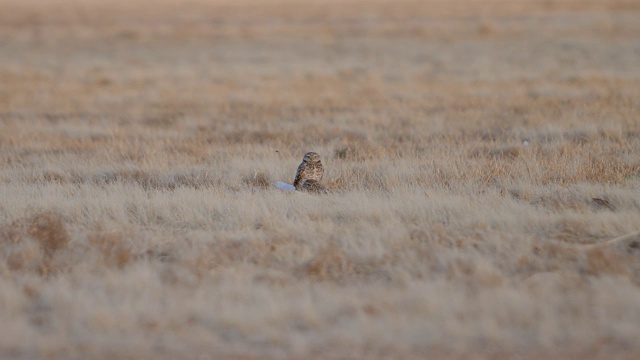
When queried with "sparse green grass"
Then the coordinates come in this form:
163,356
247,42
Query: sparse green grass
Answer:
138,145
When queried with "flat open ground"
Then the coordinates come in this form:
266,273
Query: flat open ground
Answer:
472,148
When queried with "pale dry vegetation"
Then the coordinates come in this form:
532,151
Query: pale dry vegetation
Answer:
471,148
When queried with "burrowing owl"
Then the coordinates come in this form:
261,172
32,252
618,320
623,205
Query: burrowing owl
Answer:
310,168
313,186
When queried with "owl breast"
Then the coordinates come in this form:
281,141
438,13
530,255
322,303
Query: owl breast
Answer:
313,171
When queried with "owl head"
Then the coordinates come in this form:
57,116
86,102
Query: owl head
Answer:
311,157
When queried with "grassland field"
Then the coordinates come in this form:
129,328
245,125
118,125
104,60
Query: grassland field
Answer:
473,152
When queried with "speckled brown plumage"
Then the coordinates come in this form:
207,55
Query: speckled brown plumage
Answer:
310,168
313,186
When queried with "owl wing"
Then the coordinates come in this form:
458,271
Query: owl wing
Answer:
299,175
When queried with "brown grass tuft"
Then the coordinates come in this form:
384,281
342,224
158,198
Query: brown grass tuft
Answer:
32,244
49,230
602,262
330,263
113,247
135,176
258,180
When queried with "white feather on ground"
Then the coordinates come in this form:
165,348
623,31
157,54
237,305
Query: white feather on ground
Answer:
284,186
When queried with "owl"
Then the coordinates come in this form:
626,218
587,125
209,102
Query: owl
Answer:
310,168
313,186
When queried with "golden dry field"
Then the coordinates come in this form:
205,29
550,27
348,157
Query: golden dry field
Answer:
473,150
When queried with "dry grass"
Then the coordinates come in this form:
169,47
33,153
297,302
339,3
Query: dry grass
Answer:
471,149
